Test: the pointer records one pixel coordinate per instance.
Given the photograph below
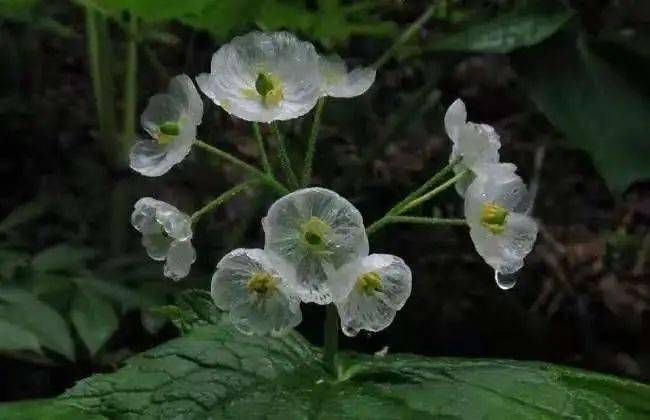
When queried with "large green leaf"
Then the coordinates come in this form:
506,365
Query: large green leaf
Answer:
600,110
215,372
15,338
94,318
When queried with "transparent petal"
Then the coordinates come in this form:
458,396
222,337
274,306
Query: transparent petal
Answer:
361,311
236,66
183,90
339,83
478,144
143,217
161,109
346,240
494,183
455,119
148,157
180,257
175,223
157,246
275,315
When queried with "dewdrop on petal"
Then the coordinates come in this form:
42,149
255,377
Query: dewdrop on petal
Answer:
339,83
171,120
264,77
368,292
475,144
166,235
256,288
495,210
316,231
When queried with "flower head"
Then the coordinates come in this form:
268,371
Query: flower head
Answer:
256,287
370,291
475,143
166,235
495,209
264,77
316,231
170,119
340,83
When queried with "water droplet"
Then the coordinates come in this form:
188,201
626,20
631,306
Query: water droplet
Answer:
505,281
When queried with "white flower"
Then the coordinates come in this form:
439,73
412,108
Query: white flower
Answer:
166,235
171,120
256,287
495,209
475,143
317,231
340,83
264,77
370,291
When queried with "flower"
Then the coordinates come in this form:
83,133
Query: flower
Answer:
339,83
475,143
370,291
317,231
495,209
166,235
171,120
256,287
264,77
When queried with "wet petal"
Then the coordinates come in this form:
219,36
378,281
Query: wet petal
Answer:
455,119
148,157
338,82
180,257
157,246
182,89
143,217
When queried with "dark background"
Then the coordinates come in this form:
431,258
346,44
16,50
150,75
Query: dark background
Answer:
565,84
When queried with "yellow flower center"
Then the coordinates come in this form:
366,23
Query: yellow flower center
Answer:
313,234
369,283
270,88
493,217
168,132
262,284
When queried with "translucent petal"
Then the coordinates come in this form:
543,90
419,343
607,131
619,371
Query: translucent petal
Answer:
455,119
236,66
251,314
161,109
346,240
148,157
143,217
175,223
494,183
478,144
180,257
340,83
182,89
156,245
376,310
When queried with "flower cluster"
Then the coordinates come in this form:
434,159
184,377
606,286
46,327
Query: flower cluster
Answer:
496,202
316,250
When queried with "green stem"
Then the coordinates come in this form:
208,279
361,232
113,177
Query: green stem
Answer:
424,187
311,143
130,85
331,338
267,179
284,157
260,143
413,220
408,33
426,197
102,79
222,199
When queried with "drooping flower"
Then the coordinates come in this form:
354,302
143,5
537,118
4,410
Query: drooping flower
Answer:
166,235
170,119
368,292
316,231
339,83
476,144
264,77
256,288
496,203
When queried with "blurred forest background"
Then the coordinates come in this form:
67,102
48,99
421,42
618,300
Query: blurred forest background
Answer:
565,83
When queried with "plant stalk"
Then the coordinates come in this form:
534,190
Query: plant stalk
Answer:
222,199
331,338
260,144
311,143
428,196
285,162
384,221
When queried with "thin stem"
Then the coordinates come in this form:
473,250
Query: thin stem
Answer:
408,33
222,199
424,187
260,144
311,143
243,165
413,220
331,337
130,83
426,197
284,157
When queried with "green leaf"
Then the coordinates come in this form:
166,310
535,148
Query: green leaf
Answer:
94,318
215,372
15,338
61,257
503,34
18,10
599,110
22,214
23,309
